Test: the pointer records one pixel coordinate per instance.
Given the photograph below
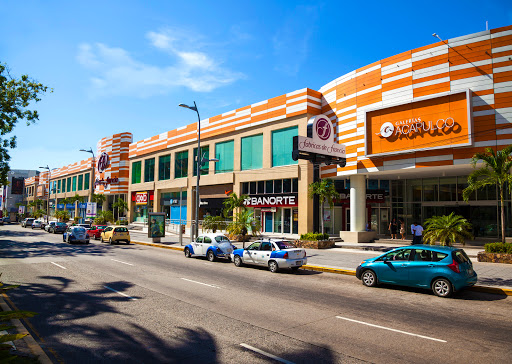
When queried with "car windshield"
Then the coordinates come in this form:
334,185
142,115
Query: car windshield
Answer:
78,229
284,245
60,224
221,238
101,227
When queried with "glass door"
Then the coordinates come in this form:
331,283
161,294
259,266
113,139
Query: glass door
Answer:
287,217
268,222
383,227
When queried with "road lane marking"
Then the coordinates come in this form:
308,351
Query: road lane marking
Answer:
390,329
266,354
121,293
115,260
58,265
204,284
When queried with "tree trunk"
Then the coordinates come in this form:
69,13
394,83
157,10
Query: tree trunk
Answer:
502,216
322,217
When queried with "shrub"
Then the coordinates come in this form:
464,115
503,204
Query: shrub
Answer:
122,222
103,217
314,236
503,248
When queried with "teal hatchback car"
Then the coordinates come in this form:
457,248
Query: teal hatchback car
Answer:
443,269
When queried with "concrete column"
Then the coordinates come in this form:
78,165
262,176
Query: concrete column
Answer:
357,203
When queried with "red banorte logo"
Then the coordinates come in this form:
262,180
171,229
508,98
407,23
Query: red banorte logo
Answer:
103,162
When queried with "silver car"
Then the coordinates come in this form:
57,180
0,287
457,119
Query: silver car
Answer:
37,224
75,234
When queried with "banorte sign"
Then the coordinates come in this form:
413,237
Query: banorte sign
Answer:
322,141
103,162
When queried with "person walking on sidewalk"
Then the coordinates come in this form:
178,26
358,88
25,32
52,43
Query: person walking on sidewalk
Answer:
393,227
401,224
417,232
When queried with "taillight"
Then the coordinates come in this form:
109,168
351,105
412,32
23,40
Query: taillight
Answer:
454,266
305,254
285,256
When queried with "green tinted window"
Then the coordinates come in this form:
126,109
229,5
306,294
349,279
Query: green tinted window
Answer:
282,146
181,164
80,182
149,170
74,184
164,167
136,172
205,153
252,152
68,188
86,181
58,186
225,153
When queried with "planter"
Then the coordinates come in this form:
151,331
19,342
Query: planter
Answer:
315,244
494,257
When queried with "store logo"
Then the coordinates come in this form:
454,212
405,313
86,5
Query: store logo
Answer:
103,162
141,198
386,130
323,128
413,126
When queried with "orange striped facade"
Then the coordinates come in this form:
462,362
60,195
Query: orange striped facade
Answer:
117,147
480,62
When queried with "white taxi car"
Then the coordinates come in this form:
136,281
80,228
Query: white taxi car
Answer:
272,253
211,246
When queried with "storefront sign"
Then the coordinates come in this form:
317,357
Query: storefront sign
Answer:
278,200
141,198
438,122
107,181
82,205
323,139
60,206
70,206
103,162
268,209
372,196
91,209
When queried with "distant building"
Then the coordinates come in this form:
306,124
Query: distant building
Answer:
12,194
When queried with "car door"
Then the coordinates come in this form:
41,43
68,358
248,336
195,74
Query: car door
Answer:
393,267
107,233
263,256
421,268
198,246
251,252
207,243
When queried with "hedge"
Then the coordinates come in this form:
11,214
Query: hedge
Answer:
314,236
504,248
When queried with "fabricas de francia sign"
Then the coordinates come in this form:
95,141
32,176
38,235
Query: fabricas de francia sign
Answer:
322,141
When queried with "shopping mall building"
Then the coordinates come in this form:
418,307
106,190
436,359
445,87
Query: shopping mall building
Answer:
409,125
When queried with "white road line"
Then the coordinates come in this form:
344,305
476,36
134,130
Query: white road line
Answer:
121,293
266,354
58,265
115,260
394,330
204,284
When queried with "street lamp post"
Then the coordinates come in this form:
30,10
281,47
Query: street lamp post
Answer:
93,176
199,162
48,194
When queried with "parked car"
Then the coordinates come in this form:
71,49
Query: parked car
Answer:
86,226
444,270
95,231
272,253
58,227
211,246
50,224
7,220
1,221
75,234
37,224
115,234
27,222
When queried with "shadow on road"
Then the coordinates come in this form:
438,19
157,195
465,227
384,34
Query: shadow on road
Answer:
464,294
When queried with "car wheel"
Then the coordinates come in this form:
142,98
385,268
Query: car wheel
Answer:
53,231
187,253
237,260
95,237
110,241
210,256
442,287
369,278
272,266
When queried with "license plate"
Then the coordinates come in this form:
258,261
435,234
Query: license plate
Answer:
299,262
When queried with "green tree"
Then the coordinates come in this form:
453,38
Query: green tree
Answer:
38,213
99,199
494,172
62,215
15,96
448,230
325,191
120,204
243,221
76,198
102,217
234,202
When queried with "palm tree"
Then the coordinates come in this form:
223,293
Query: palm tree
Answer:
120,204
494,172
325,191
103,217
98,198
242,222
233,202
447,230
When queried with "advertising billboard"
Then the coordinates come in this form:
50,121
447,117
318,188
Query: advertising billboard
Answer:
156,225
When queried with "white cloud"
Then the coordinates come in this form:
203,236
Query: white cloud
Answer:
117,72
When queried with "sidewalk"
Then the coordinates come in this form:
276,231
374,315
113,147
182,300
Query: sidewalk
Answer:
345,257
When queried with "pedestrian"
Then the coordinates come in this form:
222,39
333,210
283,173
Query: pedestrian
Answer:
418,233
401,222
393,228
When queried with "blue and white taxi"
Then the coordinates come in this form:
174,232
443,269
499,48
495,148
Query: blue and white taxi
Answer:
211,246
272,253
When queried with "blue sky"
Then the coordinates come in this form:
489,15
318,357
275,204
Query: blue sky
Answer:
119,66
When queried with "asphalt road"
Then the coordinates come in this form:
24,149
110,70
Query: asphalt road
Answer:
137,304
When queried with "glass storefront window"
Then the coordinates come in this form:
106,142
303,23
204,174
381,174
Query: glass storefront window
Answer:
87,179
373,184
413,190
74,184
225,153
252,152
205,153
430,188
282,146
261,186
398,191
164,167
252,188
295,185
487,193
269,186
245,188
287,185
80,182
136,172
448,189
181,164
277,220
149,170
278,186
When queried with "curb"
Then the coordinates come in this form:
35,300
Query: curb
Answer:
32,344
485,289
